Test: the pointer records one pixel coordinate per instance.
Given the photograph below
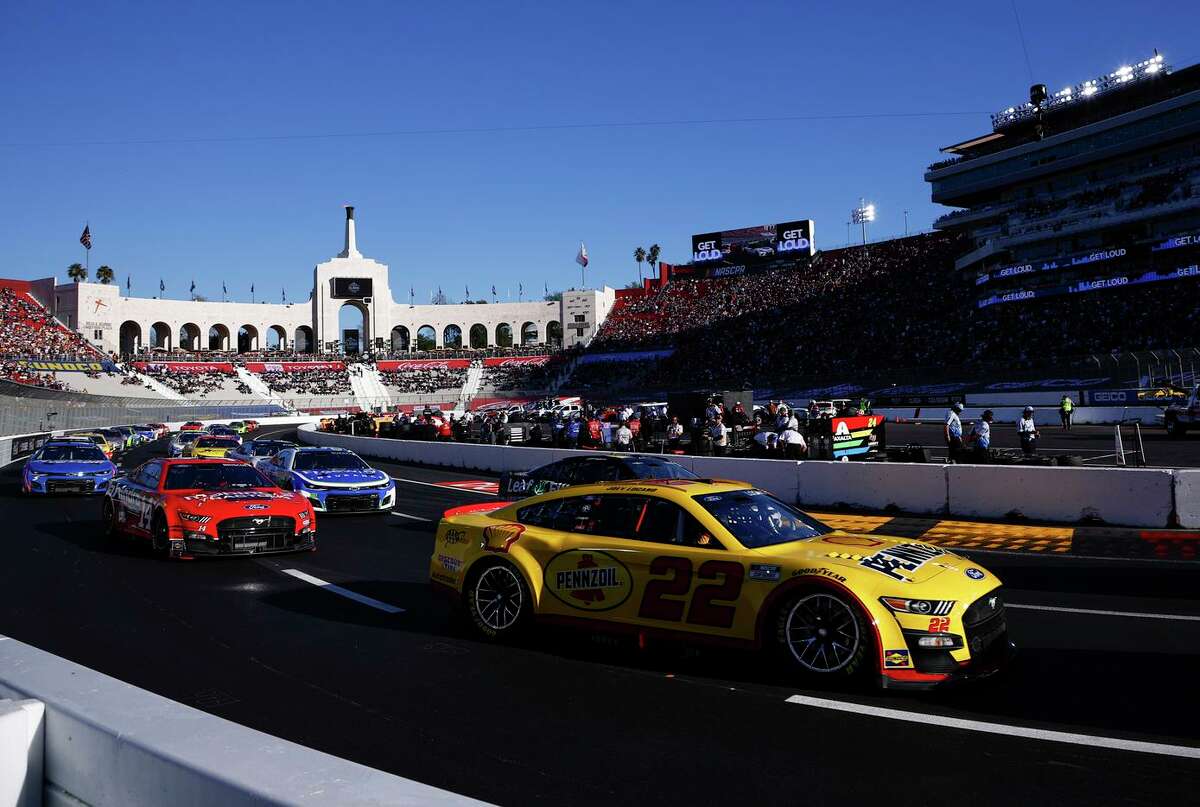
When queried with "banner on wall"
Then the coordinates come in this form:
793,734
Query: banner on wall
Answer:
516,361
292,366
422,364
184,366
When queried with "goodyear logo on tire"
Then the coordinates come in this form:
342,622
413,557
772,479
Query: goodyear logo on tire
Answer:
588,579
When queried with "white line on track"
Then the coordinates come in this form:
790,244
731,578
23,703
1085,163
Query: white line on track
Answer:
406,515
345,592
443,487
1092,740
1094,612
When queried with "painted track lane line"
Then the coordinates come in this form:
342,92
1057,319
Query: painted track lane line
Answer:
345,592
1095,612
1092,740
443,487
406,515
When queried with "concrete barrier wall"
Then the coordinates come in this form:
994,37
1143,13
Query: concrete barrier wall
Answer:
1136,497
110,743
1187,498
1140,497
1042,416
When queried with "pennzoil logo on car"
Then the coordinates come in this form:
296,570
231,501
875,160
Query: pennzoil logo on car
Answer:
588,579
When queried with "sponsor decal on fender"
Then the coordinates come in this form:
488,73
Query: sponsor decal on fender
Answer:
820,572
901,558
588,579
768,572
500,537
453,536
895,658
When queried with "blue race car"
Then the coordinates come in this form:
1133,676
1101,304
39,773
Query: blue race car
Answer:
334,480
67,466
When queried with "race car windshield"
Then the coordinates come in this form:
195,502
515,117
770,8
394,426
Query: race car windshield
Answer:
214,477
266,449
77,453
215,442
657,469
187,437
758,519
321,461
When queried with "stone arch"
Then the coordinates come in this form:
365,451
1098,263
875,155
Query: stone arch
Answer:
504,335
452,336
130,337
218,337
478,336
189,336
354,327
160,336
554,334
302,342
247,339
276,338
426,338
529,333
401,339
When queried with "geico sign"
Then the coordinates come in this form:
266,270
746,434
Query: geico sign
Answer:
706,251
1110,397
792,240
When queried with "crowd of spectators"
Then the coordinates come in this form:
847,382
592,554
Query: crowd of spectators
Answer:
509,377
194,385
16,371
28,330
423,381
308,383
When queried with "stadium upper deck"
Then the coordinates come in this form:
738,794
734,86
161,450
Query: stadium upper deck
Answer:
1087,186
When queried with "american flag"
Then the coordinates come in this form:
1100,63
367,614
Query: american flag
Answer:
86,238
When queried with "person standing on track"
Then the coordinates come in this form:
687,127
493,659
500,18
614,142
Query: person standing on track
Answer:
1065,410
1028,432
981,436
954,435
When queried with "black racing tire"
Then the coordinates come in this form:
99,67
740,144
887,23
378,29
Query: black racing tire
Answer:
498,602
808,627
108,516
160,539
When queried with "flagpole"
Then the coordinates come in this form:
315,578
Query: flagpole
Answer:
87,251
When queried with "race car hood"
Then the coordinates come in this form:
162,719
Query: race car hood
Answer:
342,477
68,466
231,502
896,559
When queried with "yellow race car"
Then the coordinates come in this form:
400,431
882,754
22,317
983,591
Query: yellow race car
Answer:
719,560
215,446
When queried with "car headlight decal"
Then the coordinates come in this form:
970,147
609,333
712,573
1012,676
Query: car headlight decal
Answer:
905,605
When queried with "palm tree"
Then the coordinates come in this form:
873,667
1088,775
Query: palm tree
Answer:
104,274
76,272
639,255
652,256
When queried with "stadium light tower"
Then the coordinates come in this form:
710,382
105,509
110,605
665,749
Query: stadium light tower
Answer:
863,214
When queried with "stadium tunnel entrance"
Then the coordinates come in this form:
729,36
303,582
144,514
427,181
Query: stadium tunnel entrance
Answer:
130,337
352,327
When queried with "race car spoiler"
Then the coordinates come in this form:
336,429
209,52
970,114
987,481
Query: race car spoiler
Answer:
483,507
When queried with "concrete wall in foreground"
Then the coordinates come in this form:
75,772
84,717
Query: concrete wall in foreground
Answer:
109,743
1136,497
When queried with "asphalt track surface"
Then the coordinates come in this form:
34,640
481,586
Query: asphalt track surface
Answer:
570,719
1095,445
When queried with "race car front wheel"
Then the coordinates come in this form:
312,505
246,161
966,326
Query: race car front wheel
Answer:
109,516
822,634
498,601
160,539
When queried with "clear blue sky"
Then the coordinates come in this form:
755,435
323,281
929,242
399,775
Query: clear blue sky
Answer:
478,208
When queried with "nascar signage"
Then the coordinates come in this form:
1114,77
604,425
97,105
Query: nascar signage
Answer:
786,239
350,287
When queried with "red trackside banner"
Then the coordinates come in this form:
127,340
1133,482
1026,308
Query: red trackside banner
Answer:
423,364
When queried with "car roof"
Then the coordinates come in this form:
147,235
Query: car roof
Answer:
202,461
677,489
314,449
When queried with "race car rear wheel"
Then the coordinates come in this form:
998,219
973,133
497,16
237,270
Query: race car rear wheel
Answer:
109,517
821,633
498,600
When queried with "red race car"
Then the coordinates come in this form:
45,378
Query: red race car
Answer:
192,426
192,507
